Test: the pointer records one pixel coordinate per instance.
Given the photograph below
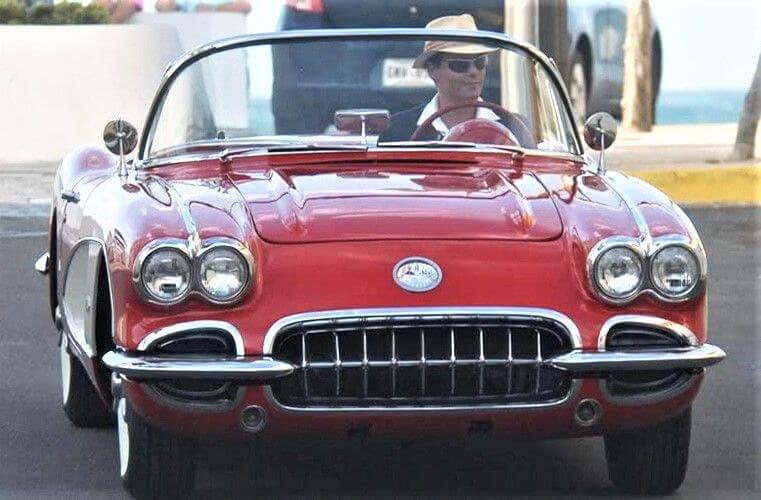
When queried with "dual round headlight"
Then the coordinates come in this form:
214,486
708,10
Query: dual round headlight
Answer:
167,275
620,273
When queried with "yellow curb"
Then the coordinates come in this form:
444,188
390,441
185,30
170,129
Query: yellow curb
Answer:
726,183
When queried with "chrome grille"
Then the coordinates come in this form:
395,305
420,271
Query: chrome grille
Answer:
426,360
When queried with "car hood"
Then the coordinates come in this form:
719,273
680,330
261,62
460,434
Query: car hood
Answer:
355,202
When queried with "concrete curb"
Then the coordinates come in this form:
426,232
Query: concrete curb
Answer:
732,184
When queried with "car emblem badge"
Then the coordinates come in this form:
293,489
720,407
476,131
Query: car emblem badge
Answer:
417,274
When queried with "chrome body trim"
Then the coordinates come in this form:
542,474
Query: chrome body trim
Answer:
680,331
193,252
204,367
679,387
154,338
647,250
483,37
605,245
525,312
194,240
644,230
570,396
173,160
424,260
677,358
178,245
42,264
231,244
89,349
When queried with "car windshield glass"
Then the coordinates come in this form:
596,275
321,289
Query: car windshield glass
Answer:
321,94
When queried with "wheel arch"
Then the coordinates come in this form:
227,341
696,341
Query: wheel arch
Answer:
97,321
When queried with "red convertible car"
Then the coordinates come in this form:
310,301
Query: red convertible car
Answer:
457,268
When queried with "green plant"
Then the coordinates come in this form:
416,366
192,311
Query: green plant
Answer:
12,12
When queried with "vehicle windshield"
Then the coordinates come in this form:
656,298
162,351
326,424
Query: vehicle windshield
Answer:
337,93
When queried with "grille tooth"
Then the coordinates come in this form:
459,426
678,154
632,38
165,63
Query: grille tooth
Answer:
424,361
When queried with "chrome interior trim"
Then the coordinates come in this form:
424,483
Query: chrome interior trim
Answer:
680,331
154,338
496,39
159,367
570,396
679,387
676,358
523,312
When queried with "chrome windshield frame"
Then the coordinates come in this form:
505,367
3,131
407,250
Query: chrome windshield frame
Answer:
501,41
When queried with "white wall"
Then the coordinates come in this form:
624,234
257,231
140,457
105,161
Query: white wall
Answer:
59,85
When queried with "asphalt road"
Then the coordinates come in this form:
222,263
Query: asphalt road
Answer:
43,456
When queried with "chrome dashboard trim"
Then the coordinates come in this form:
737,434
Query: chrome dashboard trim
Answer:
525,312
677,329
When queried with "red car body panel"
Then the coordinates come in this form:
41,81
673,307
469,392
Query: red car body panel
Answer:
326,229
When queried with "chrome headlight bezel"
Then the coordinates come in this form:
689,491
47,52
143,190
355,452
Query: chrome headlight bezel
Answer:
238,249
193,253
602,249
665,245
647,250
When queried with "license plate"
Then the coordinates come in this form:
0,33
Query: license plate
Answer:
400,73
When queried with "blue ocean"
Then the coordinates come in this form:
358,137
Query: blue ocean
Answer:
699,106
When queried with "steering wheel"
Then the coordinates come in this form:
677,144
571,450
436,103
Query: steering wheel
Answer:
513,121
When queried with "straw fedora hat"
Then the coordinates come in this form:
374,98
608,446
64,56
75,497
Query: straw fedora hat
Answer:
461,22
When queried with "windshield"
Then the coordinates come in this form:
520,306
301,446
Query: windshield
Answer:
360,92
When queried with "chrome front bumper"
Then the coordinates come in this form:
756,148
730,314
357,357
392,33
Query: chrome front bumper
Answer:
144,366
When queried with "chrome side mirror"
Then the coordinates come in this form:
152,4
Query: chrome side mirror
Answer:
363,121
120,137
599,133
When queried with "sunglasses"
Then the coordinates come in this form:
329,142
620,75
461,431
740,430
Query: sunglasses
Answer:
463,65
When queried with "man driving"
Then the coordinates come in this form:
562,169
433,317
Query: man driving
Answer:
458,70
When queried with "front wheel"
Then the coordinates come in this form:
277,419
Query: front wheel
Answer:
652,460
152,462
80,401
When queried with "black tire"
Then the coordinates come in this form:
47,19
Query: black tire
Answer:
651,460
155,464
80,401
578,87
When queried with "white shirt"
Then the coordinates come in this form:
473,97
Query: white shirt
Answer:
438,123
